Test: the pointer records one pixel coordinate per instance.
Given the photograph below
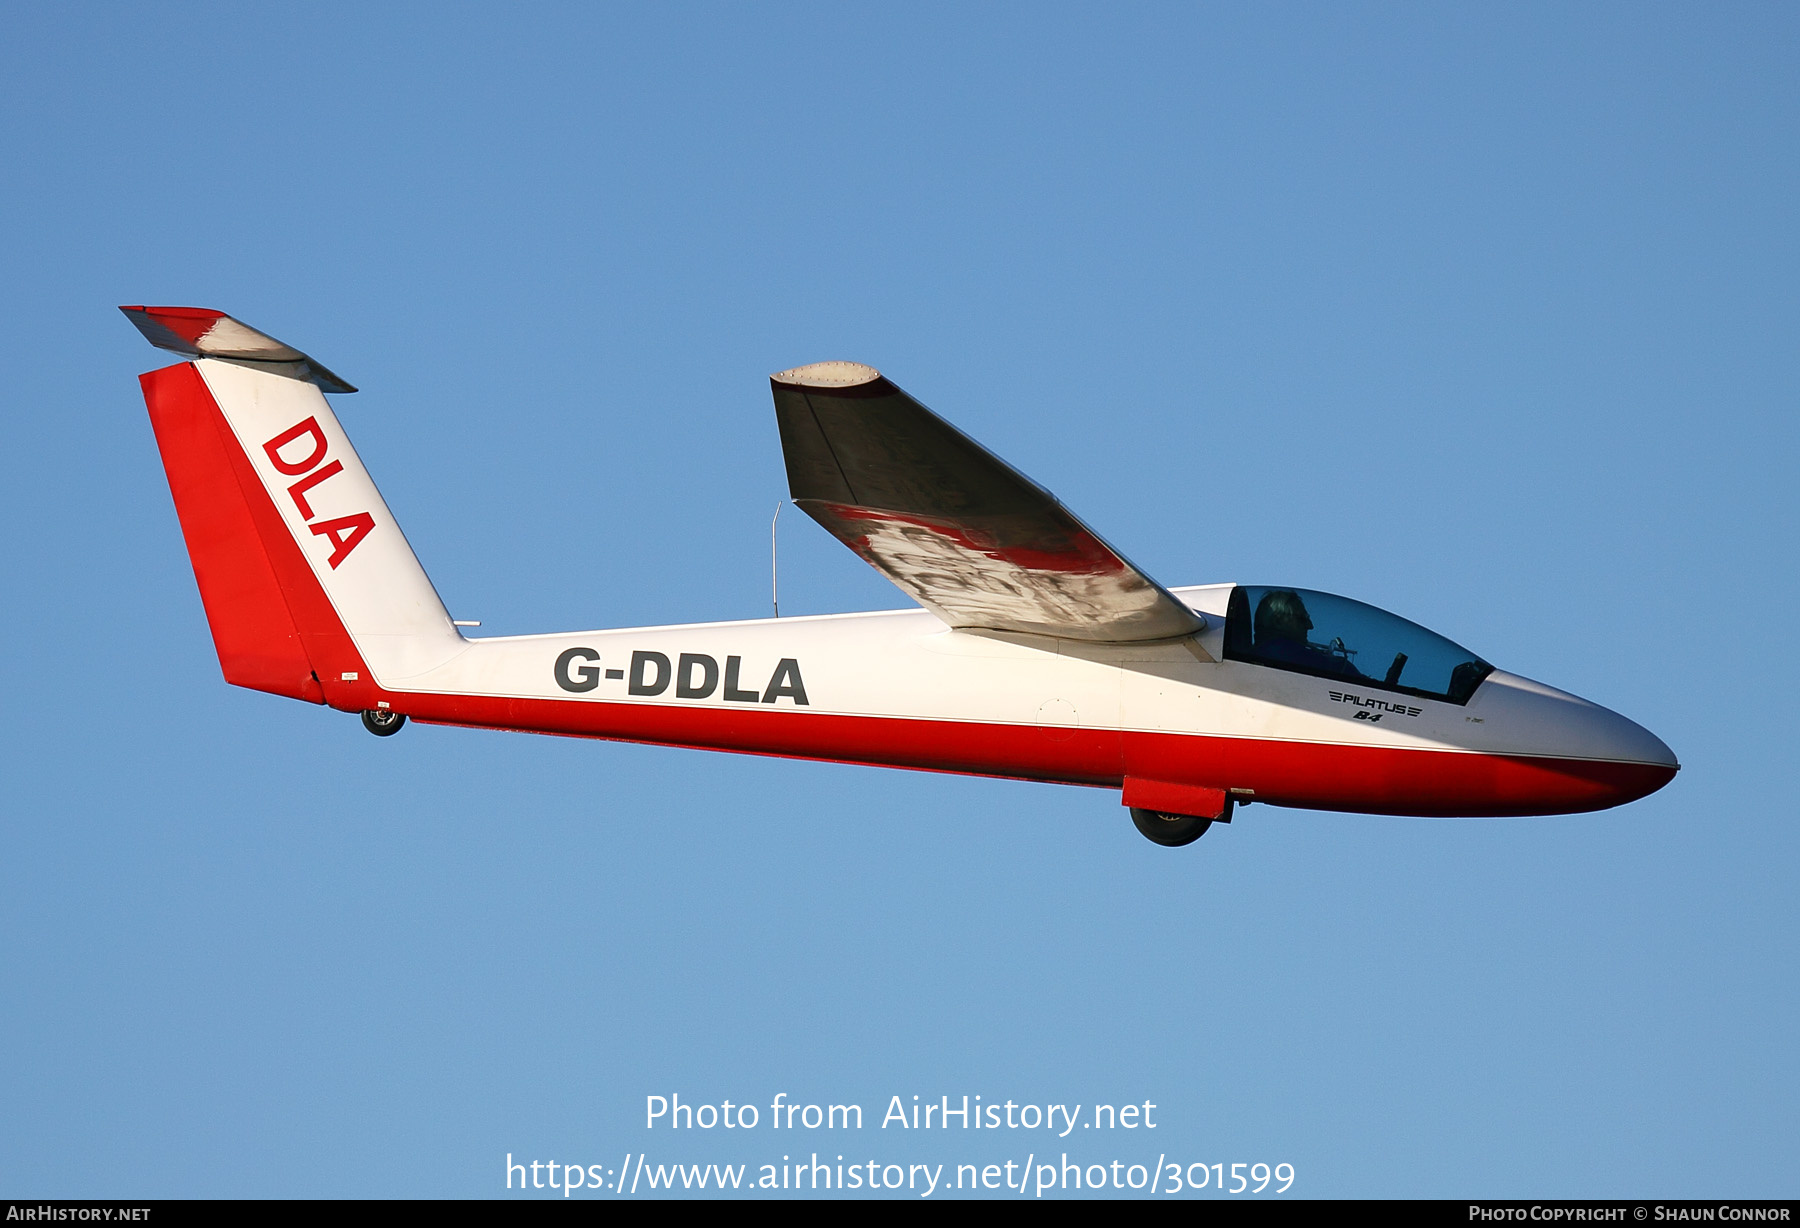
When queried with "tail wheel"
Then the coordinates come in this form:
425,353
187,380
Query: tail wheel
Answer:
1174,830
382,723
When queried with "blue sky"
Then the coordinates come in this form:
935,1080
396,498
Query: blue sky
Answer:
1486,316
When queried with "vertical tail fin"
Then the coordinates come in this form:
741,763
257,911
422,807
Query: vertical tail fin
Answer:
310,588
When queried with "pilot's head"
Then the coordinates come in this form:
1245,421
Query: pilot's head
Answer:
1281,615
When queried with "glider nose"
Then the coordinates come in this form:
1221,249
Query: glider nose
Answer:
1593,757
1607,735
1643,762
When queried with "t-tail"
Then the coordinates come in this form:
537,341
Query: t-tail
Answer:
310,588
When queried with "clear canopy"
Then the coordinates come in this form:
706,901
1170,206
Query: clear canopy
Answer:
1334,637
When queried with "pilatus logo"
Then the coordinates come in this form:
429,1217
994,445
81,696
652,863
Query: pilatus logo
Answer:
1372,710
344,533
695,675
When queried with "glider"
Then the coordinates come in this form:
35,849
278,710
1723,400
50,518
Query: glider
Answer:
1038,651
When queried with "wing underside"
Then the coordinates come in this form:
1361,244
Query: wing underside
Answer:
959,530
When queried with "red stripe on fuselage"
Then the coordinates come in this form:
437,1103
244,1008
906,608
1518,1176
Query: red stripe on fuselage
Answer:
1318,776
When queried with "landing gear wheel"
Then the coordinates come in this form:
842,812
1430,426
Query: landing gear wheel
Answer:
382,723
1169,830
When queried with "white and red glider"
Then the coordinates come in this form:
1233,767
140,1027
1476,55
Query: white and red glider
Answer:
1040,652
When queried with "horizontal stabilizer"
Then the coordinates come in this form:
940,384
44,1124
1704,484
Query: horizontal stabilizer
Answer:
200,332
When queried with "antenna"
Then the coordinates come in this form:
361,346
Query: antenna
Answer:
774,574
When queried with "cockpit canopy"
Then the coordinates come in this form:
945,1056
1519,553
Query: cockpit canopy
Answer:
1334,637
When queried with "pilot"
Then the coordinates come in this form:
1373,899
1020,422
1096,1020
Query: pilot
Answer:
1280,628
1281,618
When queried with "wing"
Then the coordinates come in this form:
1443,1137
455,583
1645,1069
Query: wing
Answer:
961,532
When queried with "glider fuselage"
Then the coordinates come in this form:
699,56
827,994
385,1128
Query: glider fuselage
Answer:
1040,652
900,689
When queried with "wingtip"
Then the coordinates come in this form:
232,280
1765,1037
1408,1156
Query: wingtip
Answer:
834,374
